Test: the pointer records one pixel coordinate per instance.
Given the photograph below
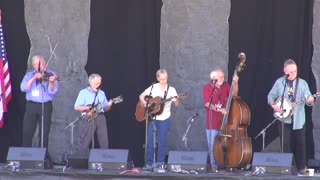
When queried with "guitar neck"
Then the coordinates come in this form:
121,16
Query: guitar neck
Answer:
165,100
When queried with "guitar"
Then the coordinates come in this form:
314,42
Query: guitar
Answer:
288,106
155,107
96,109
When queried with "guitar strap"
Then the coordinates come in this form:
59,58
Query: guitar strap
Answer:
296,89
166,92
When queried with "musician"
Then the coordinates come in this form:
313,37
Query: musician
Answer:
159,123
38,90
217,91
89,100
294,133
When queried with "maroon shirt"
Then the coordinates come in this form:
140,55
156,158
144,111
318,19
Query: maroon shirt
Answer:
220,96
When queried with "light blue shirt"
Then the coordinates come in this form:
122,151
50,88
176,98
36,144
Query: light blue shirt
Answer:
303,91
38,91
86,97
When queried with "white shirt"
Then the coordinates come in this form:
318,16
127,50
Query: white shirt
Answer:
157,91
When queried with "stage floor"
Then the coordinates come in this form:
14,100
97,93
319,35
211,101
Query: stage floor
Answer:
68,174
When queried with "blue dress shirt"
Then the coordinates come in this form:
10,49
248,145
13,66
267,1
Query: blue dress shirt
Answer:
86,97
38,92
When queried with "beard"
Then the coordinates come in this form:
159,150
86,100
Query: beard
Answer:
220,82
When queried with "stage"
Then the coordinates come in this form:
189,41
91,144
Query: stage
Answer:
61,172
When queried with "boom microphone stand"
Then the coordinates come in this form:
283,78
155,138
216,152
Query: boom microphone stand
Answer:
189,122
263,133
72,125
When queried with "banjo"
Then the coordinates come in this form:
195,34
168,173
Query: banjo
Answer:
288,107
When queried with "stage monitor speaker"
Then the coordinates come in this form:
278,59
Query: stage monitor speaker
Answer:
272,163
314,163
187,160
78,161
26,157
108,159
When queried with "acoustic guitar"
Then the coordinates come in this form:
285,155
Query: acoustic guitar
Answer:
155,107
96,109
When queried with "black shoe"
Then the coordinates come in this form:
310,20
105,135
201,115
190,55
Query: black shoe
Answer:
48,164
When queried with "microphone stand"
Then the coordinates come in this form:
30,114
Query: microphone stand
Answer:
44,89
42,106
92,119
184,138
281,107
72,125
210,118
263,133
146,117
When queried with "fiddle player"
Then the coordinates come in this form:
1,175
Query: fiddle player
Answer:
38,90
294,132
217,91
93,98
161,122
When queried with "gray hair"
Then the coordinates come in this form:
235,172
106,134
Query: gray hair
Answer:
92,76
36,57
161,71
213,73
289,62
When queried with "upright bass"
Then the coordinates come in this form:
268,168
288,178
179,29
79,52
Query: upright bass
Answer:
232,147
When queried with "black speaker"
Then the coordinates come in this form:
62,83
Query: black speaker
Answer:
272,163
108,159
26,157
187,160
78,161
314,163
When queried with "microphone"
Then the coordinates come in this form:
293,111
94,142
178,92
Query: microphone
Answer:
213,82
97,89
287,75
191,119
39,66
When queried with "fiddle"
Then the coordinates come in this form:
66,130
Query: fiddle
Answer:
46,77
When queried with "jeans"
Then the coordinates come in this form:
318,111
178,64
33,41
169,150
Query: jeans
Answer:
210,141
161,129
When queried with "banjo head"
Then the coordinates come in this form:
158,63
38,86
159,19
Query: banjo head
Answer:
287,109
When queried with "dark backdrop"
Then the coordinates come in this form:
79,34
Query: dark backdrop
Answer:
124,49
269,32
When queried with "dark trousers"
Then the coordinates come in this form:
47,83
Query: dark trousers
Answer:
32,117
97,125
294,141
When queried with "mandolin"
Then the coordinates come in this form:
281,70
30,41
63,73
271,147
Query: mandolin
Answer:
96,109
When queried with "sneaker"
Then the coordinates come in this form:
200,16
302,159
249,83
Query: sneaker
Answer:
302,173
147,168
214,169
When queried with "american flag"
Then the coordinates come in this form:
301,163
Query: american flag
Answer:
5,85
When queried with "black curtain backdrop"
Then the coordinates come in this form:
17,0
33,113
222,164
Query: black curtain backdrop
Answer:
18,48
124,46
269,32
124,49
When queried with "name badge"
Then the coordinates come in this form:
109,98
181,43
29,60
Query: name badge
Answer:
35,92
